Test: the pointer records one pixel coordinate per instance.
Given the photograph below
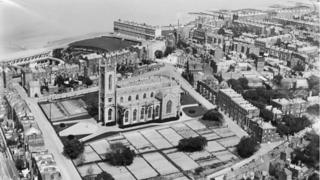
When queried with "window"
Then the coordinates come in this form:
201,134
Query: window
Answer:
110,82
151,95
142,113
144,95
242,49
126,117
137,97
150,112
109,99
169,107
134,115
121,99
157,111
109,114
129,98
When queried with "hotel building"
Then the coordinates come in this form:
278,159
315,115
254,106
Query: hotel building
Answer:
142,31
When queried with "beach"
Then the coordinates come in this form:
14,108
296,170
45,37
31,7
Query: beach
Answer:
38,23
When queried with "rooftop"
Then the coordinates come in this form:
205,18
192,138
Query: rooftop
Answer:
105,43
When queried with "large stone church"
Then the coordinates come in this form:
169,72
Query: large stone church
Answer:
135,100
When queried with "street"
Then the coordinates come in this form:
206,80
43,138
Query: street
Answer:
52,141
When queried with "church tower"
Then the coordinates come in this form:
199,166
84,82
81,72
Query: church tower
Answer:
107,90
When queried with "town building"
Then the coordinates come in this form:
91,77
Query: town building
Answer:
263,132
137,30
244,45
295,107
233,104
135,101
278,52
260,62
209,89
262,43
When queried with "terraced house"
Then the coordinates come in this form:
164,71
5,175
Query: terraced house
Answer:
236,107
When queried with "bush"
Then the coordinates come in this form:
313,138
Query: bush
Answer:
198,170
246,147
213,115
73,148
104,176
20,164
158,54
62,125
120,155
11,142
291,124
314,109
192,144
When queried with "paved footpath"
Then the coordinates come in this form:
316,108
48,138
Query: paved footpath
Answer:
52,141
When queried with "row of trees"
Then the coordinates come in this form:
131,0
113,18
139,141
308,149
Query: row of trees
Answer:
61,81
239,85
291,125
260,97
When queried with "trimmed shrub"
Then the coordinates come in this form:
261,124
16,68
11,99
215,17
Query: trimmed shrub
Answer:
104,176
213,115
192,144
120,155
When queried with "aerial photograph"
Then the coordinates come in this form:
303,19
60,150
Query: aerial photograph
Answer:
159,89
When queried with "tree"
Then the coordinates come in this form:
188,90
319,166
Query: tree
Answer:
234,84
20,164
194,51
104,176
298,67
246,147
87,81
266,114
291,124
221,31
244,82
59,81
213,115
277,79
73,148
252,56
278,42
168,51
120,155
314,84
158,54
314,109
314,176
192,144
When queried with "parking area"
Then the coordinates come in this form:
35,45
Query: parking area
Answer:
157,154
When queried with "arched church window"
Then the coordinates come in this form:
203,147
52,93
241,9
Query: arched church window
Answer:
109,114
169,107
126,116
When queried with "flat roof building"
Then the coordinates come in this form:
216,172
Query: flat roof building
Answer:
142,31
